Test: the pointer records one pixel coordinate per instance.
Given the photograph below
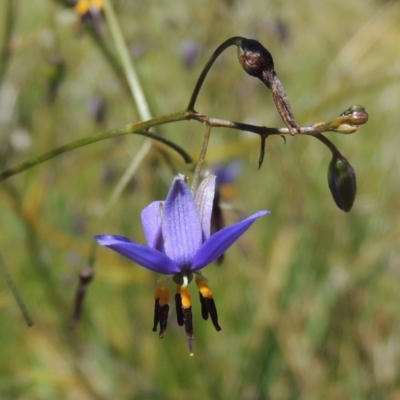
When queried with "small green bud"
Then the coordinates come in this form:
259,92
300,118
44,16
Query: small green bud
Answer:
342,182
357,115
346,129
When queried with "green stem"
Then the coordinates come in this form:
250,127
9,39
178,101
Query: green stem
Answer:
141,128
230,42
202,156
116,193
14,290
129,70
335,151
7,23
118,71
137,128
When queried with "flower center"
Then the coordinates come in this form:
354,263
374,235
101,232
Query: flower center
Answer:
183,278
183,305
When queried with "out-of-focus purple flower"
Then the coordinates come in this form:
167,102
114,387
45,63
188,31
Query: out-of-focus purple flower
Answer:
282,31
227,173
96,108
180,244
189,53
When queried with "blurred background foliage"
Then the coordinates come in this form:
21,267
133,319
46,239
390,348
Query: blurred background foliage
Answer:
308,298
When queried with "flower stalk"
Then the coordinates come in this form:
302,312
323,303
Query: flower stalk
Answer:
15,292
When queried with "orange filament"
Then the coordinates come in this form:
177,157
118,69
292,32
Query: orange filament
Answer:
165,297
159,291
203,288
186,299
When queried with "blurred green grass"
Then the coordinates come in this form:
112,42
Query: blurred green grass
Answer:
308,300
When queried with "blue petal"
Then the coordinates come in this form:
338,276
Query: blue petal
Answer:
204,201
218,243
145,256
151,221
181,228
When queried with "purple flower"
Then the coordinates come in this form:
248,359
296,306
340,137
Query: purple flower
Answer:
227,173
179,244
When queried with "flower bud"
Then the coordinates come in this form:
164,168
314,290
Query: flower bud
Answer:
346,129
357,115
342,182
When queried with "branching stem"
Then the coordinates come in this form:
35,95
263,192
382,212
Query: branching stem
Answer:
141,128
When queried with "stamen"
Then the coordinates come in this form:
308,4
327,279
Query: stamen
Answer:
163,320
178,306
165,297
212,309
157,309
159,291
207,301
187,318
201,283
185,298
204,309
161,309
186,311
190,344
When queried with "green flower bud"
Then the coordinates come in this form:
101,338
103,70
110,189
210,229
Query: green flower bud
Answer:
346,129
357,115
342,182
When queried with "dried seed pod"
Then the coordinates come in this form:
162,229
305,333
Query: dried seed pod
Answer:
257,61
